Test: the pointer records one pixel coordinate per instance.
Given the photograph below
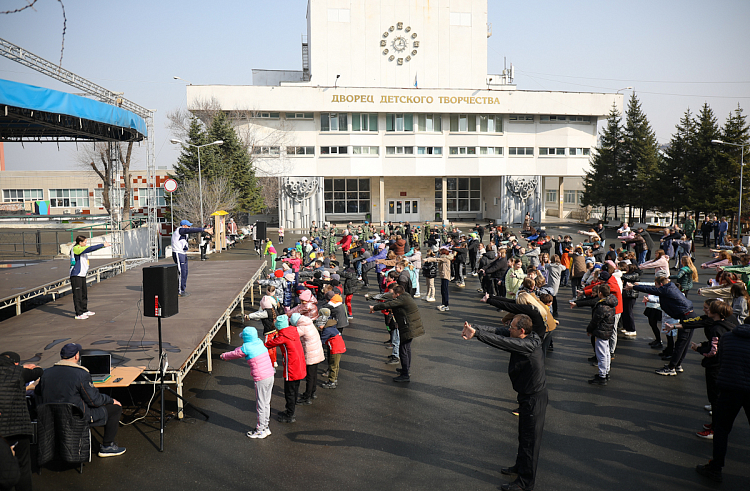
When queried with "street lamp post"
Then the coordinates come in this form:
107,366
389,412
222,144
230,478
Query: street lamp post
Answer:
742,168
200,182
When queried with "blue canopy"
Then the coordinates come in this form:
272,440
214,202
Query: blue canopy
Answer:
36,113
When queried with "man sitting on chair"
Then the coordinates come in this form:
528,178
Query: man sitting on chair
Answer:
68,382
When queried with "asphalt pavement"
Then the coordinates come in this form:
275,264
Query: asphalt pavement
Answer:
450,428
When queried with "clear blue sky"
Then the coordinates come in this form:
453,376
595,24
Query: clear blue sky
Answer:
676,54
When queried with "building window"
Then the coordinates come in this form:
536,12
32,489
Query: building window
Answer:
339,15
522,117
551,151
561,119
551,196
461,19
520,150
399,150
579,152
463,122
570,197
69,198
579,119
399,122
119,194
490,123
490,150
365,150
299,115
462,194
334,150
268,151
142,200
429,150
579,197
266,115
347,195
334,122
10,195
463,151
364,122
430,123
300,150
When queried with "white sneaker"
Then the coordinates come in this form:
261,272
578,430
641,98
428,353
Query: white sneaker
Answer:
628,334
82,316
89,313
707,407
430,299
253,433
259,434
418,295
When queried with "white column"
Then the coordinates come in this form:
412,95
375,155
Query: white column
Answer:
560,197
444,198
382,201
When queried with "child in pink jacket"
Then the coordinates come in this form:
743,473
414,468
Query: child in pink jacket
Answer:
256,354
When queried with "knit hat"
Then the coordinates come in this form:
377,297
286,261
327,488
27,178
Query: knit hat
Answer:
330,295
604,275
252,346
305,296
282,322
326,274
289,276
70,350
323,315
294,318
278,273
336,277
267,302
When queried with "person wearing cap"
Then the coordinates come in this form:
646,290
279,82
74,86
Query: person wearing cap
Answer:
293,357
256,354
338,310
69,382
79,267
180,248
15,423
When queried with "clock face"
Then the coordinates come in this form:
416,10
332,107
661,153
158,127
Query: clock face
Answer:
399,43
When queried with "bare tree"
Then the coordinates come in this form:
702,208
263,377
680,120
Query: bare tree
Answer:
218,194
269,191
97,157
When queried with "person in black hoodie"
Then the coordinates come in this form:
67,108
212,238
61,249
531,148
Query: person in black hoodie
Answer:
706,229
600,327
734,394
484,280
495,274
649,242
526,371
718,321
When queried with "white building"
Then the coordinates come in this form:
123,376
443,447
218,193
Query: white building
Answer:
394,116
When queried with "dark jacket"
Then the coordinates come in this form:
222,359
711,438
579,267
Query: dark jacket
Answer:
406,313
69,382
734,363
649,241
603,318
497,268
713,331
630,278
639,241
671,299
14,412
526,364
349,279
538,324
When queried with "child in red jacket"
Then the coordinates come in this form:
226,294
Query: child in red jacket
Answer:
293,356
332,340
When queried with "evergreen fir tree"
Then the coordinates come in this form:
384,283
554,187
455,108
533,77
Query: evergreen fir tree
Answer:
602,184
677,169
640,160
187,163
735,131
233,161
708,179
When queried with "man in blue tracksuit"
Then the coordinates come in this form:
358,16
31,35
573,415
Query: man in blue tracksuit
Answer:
180,248
79,267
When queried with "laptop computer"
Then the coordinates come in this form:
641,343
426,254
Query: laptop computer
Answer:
98,365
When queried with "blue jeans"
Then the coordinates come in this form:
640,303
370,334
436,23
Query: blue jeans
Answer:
396,342
641,257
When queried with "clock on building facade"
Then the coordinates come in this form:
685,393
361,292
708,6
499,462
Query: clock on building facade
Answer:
399,43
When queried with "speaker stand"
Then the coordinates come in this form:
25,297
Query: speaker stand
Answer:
163,387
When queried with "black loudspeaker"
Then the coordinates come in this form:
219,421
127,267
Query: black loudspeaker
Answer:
259,232
160,290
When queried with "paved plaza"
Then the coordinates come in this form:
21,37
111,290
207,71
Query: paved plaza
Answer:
449,428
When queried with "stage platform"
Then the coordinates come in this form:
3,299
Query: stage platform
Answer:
18,284
216,288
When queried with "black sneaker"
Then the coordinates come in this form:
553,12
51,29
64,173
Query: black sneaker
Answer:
709,471
508,471
598,380
401,378
393,361
304,401
655,342
592,358
285,418
657,346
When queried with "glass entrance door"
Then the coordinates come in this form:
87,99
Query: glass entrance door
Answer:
402,210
